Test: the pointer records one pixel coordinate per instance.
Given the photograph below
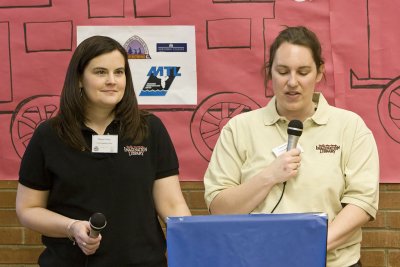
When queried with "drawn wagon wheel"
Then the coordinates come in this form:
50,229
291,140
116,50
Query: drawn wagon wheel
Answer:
389,109
212,114
28,115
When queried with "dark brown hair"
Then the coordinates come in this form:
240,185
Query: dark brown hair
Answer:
298,35
71,115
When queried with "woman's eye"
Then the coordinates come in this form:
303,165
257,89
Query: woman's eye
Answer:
100,72
282,72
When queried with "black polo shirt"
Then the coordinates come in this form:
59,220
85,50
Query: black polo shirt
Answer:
119,185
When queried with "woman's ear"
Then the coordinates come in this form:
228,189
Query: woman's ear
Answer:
321,71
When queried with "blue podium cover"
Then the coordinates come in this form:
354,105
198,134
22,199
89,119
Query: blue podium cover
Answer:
251,240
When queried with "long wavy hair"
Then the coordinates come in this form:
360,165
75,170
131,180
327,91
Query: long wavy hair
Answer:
71,115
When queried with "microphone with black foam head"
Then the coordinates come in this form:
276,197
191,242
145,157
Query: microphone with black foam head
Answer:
294,130
97,223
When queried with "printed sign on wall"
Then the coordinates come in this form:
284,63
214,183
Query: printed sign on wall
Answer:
163,63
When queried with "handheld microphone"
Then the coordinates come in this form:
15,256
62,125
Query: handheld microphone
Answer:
294,130
97,223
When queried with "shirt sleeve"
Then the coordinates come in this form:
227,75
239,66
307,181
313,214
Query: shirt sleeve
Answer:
167,163
32,171
362,171
224,169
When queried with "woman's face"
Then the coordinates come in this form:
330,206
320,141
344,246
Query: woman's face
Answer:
294,76
104,80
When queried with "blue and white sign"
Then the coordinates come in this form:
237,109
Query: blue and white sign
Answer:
163,63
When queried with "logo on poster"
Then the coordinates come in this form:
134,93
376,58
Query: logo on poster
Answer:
136,48
171,47
160,80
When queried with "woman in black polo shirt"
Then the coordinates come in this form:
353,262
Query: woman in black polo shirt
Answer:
100,154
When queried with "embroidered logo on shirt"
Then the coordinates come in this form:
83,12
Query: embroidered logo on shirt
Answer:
327,148
135,150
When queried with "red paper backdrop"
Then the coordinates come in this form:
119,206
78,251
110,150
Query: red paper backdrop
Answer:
360,43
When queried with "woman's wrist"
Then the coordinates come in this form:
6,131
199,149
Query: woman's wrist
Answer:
69,230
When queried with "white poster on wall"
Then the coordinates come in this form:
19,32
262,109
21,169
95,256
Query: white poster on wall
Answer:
162,60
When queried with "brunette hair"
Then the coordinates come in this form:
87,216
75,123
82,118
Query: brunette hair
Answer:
298,35
71,114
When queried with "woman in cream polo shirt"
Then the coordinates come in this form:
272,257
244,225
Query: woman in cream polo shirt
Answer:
336,169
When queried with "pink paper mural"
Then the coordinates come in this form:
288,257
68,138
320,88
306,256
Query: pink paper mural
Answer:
360,43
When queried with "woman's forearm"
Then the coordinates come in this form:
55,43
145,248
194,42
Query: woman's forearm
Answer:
349,220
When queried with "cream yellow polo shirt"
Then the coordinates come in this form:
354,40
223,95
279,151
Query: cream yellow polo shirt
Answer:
339,165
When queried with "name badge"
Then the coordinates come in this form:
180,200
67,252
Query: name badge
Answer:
279,150
105,143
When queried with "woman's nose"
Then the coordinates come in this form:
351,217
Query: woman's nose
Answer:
111,78
292,80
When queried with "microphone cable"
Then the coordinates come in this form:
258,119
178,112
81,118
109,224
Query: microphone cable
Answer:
279,201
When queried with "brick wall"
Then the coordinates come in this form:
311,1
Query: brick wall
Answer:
380,248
